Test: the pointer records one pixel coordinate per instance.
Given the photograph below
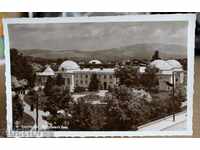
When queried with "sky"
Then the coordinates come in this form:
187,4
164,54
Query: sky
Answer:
95,36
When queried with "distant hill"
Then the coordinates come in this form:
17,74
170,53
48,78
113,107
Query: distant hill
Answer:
140,51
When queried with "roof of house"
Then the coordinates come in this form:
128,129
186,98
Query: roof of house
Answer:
47,72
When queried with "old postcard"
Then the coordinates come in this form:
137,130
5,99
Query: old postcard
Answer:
99,76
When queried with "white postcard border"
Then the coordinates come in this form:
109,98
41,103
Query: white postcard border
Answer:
136,18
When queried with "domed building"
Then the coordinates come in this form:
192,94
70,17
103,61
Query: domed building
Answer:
163,66
68,65
97,62
169,71
80,77
175,65
74,76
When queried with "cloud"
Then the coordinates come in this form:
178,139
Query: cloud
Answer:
95,35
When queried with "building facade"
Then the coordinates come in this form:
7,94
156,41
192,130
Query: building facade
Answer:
74,76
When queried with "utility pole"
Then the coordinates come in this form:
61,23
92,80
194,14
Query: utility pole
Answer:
37,101
173,95
37,95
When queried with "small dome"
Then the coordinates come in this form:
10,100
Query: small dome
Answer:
95,62
161,65
69,65
175,64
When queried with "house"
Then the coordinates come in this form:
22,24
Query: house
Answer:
43,76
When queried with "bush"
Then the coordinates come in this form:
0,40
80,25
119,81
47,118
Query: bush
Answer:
94,83
79,89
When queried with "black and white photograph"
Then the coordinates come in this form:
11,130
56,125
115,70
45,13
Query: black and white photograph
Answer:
100,76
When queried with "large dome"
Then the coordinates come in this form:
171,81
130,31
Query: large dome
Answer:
175,64
161,65
69,65
95,62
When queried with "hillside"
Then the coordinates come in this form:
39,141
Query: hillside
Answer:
141,51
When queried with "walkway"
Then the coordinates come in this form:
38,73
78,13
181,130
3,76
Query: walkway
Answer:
167,124
42,124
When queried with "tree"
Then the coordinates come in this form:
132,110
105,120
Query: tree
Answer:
149,79
17,109
79,89
155,56
60,80
21,68
94,83
50,83
125,110
128,76
58,100
81,116
87,116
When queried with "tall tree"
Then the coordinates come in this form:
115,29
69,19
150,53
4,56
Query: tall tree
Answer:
87,116
60,80
50,83
128,76
94,83
59,100
17,109
125,110
21,67
155,56
149,78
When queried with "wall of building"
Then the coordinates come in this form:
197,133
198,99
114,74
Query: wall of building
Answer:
106,79
82,79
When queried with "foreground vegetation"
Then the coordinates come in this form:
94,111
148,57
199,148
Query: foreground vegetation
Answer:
120,109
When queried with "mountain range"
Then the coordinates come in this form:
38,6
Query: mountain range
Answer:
139,51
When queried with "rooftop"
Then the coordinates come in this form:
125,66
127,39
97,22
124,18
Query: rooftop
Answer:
47,72
68,65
